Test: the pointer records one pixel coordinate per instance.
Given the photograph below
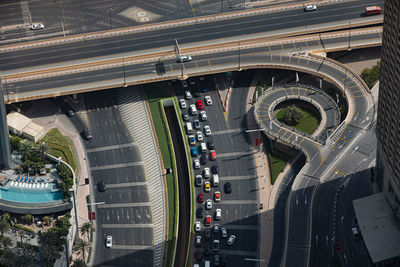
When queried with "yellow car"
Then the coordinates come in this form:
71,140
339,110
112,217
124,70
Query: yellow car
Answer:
207,186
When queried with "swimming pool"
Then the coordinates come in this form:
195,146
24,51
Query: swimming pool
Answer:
20,192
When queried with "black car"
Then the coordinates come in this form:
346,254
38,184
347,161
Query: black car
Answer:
210,144
185,117
227,188
200,213
208,234
217,259
198,255
101,186
207,251
69,111
86,134
203,160
197,180
214,169
224,260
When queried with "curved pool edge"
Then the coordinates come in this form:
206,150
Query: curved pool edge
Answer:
35,208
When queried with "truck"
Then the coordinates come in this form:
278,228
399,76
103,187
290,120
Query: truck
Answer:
373,10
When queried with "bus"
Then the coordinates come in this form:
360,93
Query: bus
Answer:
373,10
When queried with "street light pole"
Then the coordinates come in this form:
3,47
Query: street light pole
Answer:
239,56
123,67
109,12
62,26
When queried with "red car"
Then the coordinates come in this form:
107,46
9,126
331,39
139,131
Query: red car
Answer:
213,155
199,104
208,220
200,198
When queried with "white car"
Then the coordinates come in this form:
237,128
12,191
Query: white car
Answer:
224,233
208,100
206,173
207,130
310,7
198,240
231,240
196,163
208,204
203,115
218,214
183,59
182,102
193,109
188,95
37,26
197,226
109,241
199,136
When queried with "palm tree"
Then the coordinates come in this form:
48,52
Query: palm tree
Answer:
26,148
81,247
5,242
6,216
46,220
4,226
86,229
21,234
79,263
28,218
8,256
42,148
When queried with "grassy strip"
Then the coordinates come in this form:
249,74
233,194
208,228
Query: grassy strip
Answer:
167,152
307,124
259,91
60,146
277,161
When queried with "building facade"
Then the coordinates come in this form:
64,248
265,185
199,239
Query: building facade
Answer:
388,121
4,143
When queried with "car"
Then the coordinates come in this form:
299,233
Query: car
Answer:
201,78
196,124
217,259
198,180
192,81
198,240
213,155
203,115
199,104
200,198
224,260
208,219
231,240
101,187
184,84
199,136
208,100
215,245
224,233
109,241
208,204
217,196
207,186
203,159
200,213
192,140
216,228
198,255
204,90
197,226
206,173
196,164
193,109
183,59
185,117
208,234
356,234
207,130
210,144
194,151
218,214
214,169
207,251
228,188
69,112
86,134
182,103
38,26
188,95
311,7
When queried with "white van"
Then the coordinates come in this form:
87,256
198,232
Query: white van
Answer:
189,129
193,109
206,263
203,148
215,180
196,265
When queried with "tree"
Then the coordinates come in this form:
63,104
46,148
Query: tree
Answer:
46,220
21,234
42,148
8,256
79,263
293,115
5,242
6,216
26,149
28,219
87,229
81,247
4,226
